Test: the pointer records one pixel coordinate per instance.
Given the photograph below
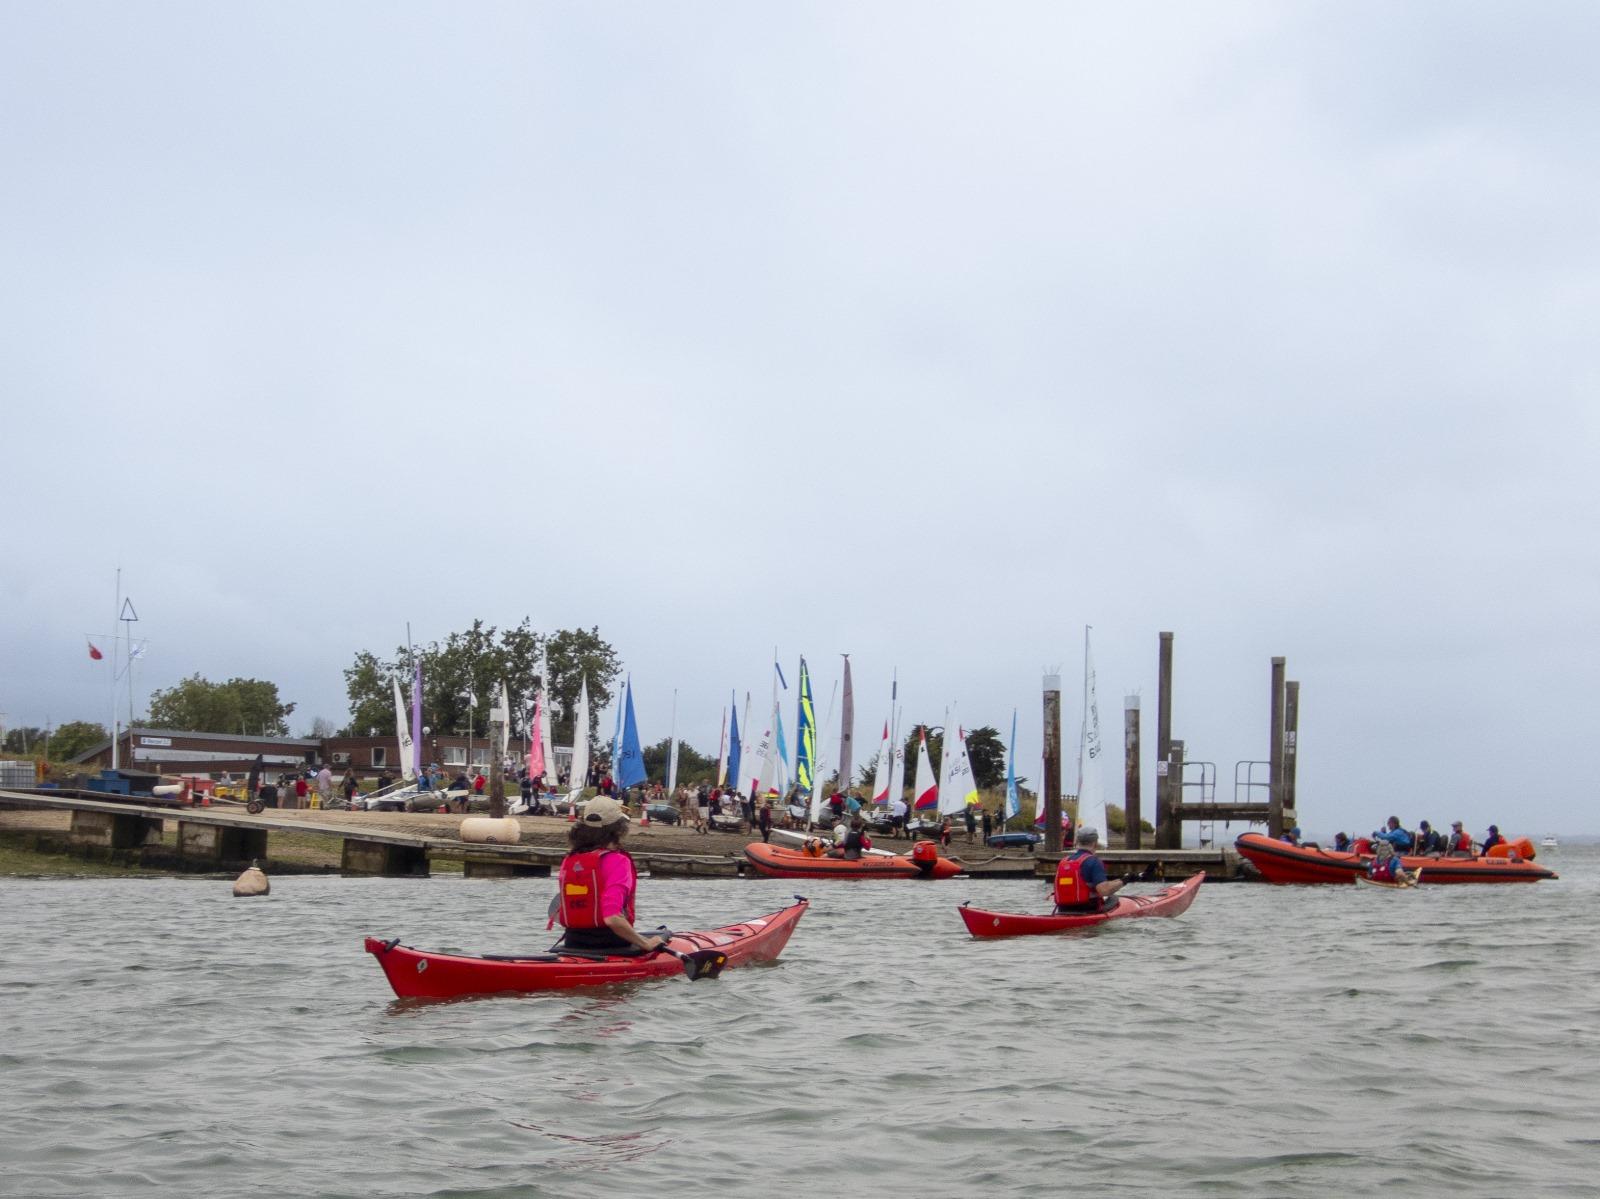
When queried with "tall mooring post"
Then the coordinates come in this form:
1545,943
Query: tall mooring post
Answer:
1291,735
1275,755
498,718
1130,772
1052,763
1168,791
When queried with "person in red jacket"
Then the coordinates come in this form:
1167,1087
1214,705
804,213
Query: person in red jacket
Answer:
595,896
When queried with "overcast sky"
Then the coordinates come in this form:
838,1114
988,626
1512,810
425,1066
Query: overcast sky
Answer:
926,333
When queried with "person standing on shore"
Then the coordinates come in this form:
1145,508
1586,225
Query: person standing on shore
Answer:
324,786
988,825
301,790
765,821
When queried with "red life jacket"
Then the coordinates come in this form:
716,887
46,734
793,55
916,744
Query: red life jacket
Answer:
1461,843
1383,871
579,889
1072,889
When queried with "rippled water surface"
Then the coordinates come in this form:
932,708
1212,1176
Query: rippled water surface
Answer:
162,1037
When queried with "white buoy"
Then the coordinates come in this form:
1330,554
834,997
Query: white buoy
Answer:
252,882
486,830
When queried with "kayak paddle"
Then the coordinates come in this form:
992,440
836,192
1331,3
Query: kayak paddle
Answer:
702,963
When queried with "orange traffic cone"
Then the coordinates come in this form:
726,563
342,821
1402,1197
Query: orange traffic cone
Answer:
644,818
572,813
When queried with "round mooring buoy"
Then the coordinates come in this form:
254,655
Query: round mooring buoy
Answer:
252,882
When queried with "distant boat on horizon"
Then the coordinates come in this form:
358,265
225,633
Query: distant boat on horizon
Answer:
1549,842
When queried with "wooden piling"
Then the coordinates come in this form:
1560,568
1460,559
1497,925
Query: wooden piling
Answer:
1165,798
1275,754
1052,763
1130,774
1291,735
1169,833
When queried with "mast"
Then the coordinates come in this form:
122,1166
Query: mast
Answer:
847,722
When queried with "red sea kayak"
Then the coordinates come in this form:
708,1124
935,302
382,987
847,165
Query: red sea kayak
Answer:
776,861
1173,901
417,974
1280,862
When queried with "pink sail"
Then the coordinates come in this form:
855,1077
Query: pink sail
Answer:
535,747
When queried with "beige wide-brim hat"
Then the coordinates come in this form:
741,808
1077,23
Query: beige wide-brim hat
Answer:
602,811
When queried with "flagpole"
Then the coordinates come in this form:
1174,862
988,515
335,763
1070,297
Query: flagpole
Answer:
1083,725
116,612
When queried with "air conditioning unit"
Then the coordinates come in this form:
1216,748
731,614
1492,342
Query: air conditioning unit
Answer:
341,759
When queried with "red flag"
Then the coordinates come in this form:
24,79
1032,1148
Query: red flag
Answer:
94,653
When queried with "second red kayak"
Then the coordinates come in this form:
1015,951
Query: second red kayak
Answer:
1173,901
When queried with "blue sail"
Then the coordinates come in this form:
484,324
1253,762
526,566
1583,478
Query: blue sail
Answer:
735,749
1013,800
632,772
805,750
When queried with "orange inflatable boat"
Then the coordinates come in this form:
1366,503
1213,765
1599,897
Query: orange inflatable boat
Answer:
776,861
1280,862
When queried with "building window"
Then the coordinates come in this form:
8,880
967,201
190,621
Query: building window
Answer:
380,755
480,758
455,755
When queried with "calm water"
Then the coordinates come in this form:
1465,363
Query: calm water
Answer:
161,1037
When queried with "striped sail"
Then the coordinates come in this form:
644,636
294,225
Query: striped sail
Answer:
805,749
880,776
735,746
722,752
1013,799
897,766
927,785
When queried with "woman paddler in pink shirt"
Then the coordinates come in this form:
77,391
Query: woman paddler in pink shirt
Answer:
597,882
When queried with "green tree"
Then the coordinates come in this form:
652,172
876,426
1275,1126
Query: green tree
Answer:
473,663
198,705
74,737
27,739
693,766
988,755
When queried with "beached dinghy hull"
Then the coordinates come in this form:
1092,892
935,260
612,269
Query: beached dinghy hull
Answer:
1173,901
417,974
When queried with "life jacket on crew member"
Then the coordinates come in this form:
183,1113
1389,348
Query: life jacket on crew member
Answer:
578,890
1382,869
1072,889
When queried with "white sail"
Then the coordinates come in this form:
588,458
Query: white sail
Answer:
926,792
957,787
403,733
722,754
578,778
880,775
1091,760
672,757
819,772
759,768
545,740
